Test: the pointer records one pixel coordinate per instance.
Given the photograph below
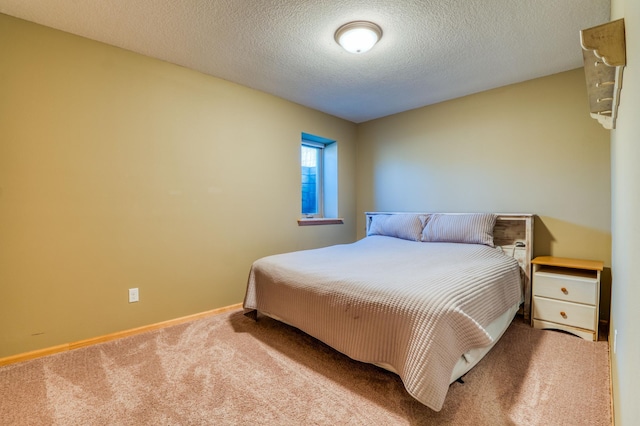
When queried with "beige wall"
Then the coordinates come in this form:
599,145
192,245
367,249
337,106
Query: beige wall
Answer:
625,160
529,147
119,171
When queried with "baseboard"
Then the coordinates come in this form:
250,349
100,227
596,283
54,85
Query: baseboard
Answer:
113,336
613,413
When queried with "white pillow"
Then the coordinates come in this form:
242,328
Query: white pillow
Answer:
474,228
405,226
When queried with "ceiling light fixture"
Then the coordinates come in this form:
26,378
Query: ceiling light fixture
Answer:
358,36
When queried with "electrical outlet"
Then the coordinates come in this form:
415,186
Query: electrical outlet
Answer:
615,340
134,296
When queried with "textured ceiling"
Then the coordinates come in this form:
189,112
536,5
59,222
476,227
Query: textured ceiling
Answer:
430,51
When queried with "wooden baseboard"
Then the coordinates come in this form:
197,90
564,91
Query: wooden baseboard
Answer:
113,336
611,401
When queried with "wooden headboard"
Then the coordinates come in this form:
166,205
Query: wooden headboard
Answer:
513,234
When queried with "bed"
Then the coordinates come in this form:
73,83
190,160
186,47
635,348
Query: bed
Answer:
425,295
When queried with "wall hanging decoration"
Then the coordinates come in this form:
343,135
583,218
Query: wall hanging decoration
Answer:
604,53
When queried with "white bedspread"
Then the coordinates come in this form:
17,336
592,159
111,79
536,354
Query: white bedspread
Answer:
415,306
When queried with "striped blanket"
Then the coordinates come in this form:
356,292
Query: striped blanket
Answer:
414,306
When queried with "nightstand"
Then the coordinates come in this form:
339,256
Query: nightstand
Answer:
566,295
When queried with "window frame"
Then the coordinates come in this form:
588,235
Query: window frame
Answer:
319,179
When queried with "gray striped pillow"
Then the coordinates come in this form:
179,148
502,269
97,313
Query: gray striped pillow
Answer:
475,228
405,226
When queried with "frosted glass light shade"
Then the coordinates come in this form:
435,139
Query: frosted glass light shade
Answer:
358,36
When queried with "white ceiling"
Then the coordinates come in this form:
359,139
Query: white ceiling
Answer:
430,51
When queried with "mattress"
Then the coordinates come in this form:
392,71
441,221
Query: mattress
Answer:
413,307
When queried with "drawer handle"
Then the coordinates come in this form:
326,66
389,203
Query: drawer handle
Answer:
564,290
563,314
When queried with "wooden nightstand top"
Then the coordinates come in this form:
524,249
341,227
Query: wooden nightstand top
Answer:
592,265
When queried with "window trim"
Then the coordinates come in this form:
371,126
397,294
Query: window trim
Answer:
320,221
319,179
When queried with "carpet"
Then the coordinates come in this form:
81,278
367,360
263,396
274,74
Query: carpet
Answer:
228,369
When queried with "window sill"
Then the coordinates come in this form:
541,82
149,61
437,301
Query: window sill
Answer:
320,221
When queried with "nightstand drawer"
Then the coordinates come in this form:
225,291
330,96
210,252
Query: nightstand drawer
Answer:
573,314
573,287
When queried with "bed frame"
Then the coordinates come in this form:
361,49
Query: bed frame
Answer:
513,233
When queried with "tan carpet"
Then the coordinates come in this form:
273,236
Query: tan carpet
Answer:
228,369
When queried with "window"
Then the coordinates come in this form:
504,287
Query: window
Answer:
311,162
319,178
